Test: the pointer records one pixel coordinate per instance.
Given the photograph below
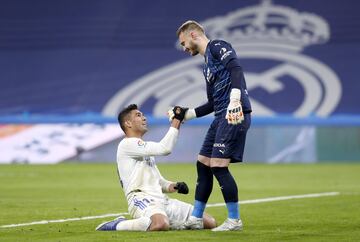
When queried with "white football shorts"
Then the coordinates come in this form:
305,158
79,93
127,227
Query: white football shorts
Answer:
145,205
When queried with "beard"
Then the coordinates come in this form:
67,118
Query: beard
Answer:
194,53
194,49
144,129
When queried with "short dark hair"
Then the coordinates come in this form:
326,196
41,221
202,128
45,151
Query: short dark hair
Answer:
190,25
123,115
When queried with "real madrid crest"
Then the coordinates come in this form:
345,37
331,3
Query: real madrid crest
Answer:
267,32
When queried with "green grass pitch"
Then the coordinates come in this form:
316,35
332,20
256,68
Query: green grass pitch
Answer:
31,193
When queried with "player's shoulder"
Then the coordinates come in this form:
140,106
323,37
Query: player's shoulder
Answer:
217,47
218,43
131,142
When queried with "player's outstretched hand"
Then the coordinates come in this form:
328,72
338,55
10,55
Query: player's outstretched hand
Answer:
171,114
179,113
189,114
181,187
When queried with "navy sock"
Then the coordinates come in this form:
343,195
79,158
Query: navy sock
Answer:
229,190
203,190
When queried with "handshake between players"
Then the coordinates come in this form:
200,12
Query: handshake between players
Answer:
178,113
234,112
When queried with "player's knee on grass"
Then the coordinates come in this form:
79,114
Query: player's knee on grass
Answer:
159,222
209,221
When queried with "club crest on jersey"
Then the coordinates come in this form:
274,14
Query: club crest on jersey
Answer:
141,143
271,33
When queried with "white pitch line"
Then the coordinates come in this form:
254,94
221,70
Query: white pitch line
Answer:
63,220
261,200
272,199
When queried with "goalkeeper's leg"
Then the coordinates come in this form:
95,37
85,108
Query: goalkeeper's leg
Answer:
204,181
229,190
204,186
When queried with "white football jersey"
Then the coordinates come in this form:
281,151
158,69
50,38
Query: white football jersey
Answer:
136,163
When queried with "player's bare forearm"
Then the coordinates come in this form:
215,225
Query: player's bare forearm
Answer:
175,123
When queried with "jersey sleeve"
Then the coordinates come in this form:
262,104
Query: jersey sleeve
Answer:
208,107
136,147
163,182
236,74
223,51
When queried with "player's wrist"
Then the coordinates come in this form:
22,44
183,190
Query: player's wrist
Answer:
235,94
171,187
190,114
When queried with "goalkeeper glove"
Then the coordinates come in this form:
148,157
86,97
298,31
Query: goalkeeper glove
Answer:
181,187
189,114
179,113
234,113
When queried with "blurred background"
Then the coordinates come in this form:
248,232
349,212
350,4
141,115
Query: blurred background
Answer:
68,67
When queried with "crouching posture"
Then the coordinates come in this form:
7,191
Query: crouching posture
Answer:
142,183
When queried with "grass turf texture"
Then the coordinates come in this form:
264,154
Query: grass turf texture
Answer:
44,192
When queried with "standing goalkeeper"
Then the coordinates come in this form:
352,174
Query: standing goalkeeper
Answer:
225,140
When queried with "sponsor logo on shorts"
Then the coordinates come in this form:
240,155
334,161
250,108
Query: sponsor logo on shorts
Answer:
219,145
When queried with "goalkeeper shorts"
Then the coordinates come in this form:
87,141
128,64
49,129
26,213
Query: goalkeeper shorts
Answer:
225,140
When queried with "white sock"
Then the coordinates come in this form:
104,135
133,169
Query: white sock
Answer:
139,224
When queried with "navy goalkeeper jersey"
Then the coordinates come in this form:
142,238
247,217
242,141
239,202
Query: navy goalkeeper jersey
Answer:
218,54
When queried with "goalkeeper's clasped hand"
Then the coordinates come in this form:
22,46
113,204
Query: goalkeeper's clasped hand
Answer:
234,112
181,113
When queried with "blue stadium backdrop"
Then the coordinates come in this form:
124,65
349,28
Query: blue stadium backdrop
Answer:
64,61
